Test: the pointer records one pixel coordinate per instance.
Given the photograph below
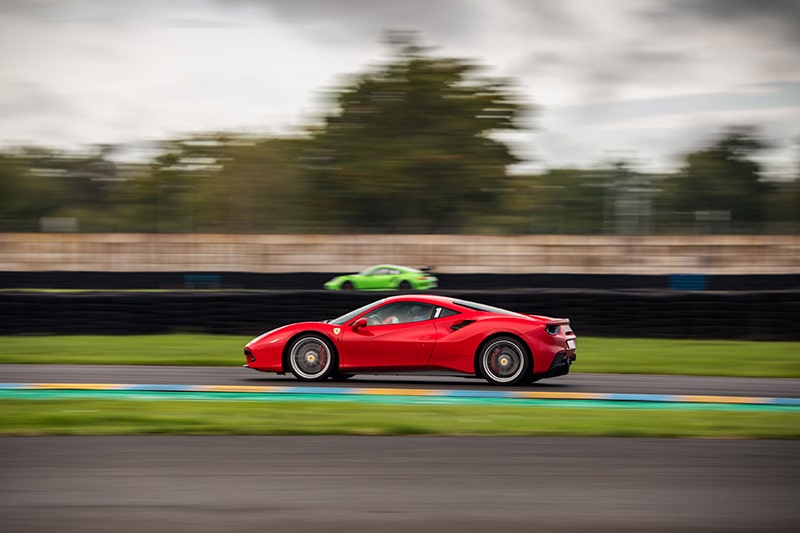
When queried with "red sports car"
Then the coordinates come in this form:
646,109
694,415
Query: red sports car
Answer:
418,333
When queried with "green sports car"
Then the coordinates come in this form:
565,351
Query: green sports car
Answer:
385,278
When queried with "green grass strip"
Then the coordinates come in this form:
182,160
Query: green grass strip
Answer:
637,356
125,416
689,357
182,349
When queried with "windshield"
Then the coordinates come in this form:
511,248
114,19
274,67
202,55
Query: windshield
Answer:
344,319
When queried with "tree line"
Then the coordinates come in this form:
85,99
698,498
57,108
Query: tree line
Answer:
410,146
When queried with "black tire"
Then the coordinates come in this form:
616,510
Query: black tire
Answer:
404,286
311,357
347,286
504,361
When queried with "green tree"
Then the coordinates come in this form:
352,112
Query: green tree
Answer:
257,187
783,205
569,200
410,146
720,187
220,183
611,200
34,183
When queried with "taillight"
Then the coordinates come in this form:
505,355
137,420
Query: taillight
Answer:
552,329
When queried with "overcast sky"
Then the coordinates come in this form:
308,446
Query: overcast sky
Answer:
646,80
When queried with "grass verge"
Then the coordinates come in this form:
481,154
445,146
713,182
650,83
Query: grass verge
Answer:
634,356
126,417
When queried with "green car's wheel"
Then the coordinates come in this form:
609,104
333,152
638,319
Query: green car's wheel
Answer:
404,285
347,286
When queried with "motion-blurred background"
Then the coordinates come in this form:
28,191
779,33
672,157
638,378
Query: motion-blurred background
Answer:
481,137
438,116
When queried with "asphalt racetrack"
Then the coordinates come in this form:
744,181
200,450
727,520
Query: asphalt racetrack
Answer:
396,484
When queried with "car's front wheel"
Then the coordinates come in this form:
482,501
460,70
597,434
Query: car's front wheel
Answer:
503,361
311,358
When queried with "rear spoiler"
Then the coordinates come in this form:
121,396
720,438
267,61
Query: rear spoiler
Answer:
553,325
426,269
553,321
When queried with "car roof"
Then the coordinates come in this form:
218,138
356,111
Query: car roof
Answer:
388,265
432,299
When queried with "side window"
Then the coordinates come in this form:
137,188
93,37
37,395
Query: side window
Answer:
388,314
442,312
419,312
401,313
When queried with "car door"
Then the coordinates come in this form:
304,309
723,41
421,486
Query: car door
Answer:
376,279
384,344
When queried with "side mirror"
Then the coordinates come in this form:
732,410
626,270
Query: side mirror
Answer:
360,323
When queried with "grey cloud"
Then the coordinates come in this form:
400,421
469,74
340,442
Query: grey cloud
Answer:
26,7
743,10
761,97
21,99
181,13
648,48
602,68
547,18
355,18
770,20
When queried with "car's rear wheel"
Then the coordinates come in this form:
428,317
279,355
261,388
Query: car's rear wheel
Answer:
311,358
504,361
404,285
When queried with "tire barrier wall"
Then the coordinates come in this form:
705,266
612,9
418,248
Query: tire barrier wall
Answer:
305,281
754,315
